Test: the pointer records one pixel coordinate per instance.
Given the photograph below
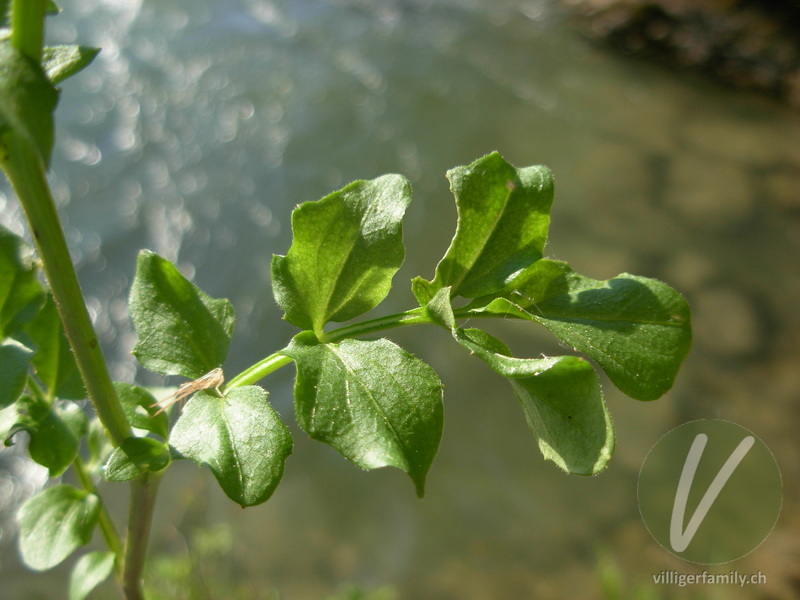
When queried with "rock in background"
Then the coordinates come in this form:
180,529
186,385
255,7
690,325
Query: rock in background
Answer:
746,43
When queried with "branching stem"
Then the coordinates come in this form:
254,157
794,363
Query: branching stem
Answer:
277,360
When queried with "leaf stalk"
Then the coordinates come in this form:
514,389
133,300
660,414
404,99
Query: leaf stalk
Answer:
275,361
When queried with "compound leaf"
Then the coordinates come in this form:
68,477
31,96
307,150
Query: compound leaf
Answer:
346,249
372,401
239,437
182,330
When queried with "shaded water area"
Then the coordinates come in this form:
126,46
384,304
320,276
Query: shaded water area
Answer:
202,124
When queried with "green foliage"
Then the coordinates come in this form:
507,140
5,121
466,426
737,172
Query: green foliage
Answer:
346,249
140,408
91,570
239,437
54,362
561,399
372,401
369,399
55,431
62,62
27,102
135,457
637,329
54,523
14,359
21,294
182,331
503,218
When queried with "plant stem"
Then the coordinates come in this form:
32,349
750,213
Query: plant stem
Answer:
106,526
277,360
414,316
140,517
27,27
259,370
25,170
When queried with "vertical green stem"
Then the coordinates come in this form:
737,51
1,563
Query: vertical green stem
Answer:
106,526
25,170
140,517
27,27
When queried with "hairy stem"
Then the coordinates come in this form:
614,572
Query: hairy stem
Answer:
25,170
140,517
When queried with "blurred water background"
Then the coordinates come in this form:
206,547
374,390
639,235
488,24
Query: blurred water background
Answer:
203,123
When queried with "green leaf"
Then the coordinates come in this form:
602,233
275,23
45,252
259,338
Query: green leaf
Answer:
99,446
637,329
182,331
14,359
239,437
61,62
55,364
440,310
21,294
8,418
503,218
140,409
5,13
91,570
372,401
54,523
561,399
135,457
27,102
345,251
55,432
